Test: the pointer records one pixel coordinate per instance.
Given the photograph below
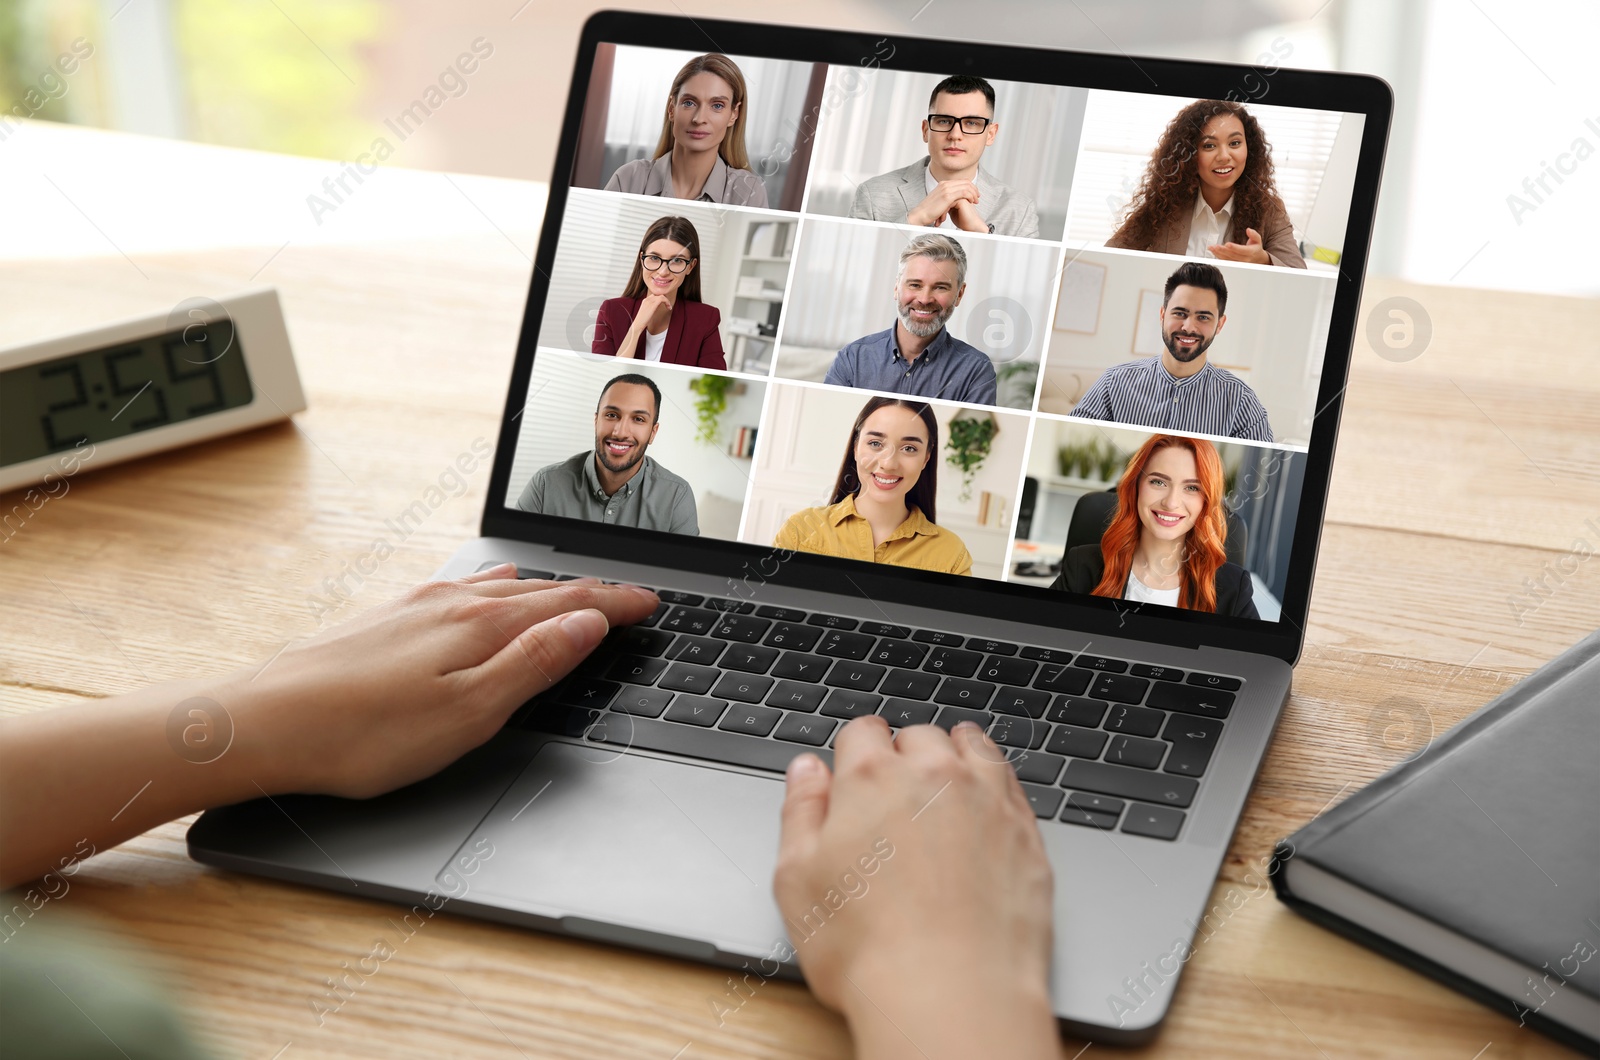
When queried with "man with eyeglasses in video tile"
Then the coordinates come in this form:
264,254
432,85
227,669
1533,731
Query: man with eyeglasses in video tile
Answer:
947,189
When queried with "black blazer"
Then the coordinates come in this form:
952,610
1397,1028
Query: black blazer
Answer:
1083,567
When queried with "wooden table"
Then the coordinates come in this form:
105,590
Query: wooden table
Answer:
1460,474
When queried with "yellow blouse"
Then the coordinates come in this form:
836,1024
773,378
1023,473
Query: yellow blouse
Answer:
839,530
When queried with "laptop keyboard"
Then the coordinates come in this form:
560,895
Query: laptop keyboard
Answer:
1096,741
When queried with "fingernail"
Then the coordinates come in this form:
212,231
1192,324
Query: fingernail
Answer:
974,726
584,628
803,766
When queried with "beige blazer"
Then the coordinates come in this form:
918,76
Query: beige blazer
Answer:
891,196
1277,237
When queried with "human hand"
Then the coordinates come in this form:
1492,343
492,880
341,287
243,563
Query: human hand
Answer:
385,699
931,211
967,218
1251,251
917,893
405,689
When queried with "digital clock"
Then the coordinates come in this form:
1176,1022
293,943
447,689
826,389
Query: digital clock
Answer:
126,390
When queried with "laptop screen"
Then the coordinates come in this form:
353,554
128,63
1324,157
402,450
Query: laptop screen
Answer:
1069,339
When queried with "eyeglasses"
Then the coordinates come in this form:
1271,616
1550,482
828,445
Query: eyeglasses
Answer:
971,125
652,262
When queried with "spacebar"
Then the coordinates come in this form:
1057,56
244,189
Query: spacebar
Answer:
650,735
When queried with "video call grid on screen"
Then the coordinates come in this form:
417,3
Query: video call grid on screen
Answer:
1051,362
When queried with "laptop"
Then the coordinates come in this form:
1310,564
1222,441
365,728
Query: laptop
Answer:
870,355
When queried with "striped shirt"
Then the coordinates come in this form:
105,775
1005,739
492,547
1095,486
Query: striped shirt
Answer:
1212,401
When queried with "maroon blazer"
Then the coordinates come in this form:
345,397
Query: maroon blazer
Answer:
692,336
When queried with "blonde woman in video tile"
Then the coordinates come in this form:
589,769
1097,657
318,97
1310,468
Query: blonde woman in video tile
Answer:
883,498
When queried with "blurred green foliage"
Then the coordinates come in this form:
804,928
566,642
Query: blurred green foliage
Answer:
278,76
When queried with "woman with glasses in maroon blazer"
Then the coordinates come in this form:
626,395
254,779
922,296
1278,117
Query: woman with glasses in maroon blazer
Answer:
660,316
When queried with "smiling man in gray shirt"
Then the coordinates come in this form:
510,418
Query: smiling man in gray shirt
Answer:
917,355
616,482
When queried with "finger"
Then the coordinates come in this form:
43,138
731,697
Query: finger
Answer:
972,744
861,738
920,740
1254,237
516,587
501,570
807,784
537,658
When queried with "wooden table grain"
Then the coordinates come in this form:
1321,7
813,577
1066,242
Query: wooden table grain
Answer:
1456,559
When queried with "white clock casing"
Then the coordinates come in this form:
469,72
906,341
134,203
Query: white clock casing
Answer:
260,337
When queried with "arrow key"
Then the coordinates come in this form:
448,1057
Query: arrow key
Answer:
1157,822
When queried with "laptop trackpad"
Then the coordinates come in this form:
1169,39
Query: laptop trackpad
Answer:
603,839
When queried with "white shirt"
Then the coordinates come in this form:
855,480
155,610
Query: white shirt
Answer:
1207,227
1139,592
653,345
932,185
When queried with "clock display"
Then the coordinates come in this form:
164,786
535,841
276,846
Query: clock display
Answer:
120,390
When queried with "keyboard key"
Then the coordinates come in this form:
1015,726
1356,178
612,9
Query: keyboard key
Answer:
1083,800
803,728
1119,688
636,640
1070,710
656,616
796,695
839,645
950,717
1157,822
832,622
752,721
1045,801
1135,751
933,636
1011,731
782,614
909,683
1079,743
637,699
1104,821
737,607
569,577
637,668
694,620
702,651
991,647
1135,721
1163,789
696,710
958,692
746,629
1193,740
1029,702
749,658
1035,766
745,688
844,703
1227,684
588,692
791,637
798,666
1005,671
884,629
1049,655
1188,699
903,712
898,653
1156,673
953,661
686,677
1055,677
654,734
564,721
673,596
863,677
1102,664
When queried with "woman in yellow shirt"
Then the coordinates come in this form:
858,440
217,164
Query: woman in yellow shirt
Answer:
883,499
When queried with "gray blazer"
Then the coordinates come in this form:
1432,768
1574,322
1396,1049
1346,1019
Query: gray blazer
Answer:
892,196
